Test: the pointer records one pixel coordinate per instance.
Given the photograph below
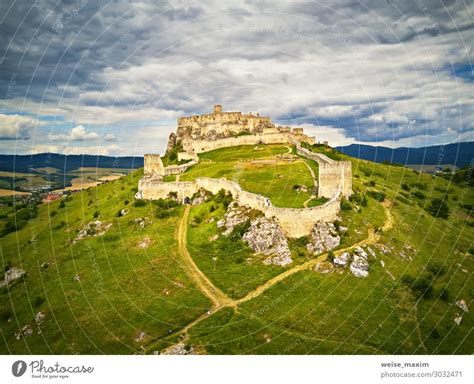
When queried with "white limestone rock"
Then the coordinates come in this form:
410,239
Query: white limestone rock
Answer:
371,252
11,275
39,317
462,305
201,197
235,215
267,238
178,349
324,237
360,265
93,229
143,221
342,259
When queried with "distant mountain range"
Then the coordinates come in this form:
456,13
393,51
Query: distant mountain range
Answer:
459,154
65,163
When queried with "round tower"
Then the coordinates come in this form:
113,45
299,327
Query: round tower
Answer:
217,109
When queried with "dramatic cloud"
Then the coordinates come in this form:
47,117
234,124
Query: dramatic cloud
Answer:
16,127
353,71
78,133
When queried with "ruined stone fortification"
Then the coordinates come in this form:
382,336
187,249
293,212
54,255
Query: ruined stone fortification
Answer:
334,176
153,166
204,133
295,222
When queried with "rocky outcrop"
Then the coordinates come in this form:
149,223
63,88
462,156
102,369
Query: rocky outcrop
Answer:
235,215
143,221
342,260
172,141
39,317
360,264
267,238
11,275
461,304
200,197
93,229
178,349
324,237
27,330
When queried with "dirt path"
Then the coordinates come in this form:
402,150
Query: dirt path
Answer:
217,297
221,300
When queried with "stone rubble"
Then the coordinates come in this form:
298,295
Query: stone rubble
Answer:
267,238
11,275
324,237
92,229
360,265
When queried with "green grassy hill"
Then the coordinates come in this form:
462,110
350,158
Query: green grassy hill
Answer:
129,291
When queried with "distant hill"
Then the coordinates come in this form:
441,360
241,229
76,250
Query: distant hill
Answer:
65,163
459,154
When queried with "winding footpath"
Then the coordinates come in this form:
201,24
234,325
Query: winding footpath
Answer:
217,297
220,300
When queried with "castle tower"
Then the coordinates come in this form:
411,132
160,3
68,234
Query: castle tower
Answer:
153,165
217,109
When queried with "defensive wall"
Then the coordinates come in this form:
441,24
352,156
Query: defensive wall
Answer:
199,146
295,222
333,177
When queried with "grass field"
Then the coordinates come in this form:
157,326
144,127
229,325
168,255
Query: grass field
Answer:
337,313
124,290
135,298
277,181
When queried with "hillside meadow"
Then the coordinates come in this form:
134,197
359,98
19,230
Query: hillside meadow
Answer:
127,291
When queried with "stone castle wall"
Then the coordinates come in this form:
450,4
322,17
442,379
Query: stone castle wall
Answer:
333,177
152,189
179,169
153,166
205,133
199,146
295,222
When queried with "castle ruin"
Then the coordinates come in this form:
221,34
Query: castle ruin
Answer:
202,133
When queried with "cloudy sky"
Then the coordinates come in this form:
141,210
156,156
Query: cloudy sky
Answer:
111,77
